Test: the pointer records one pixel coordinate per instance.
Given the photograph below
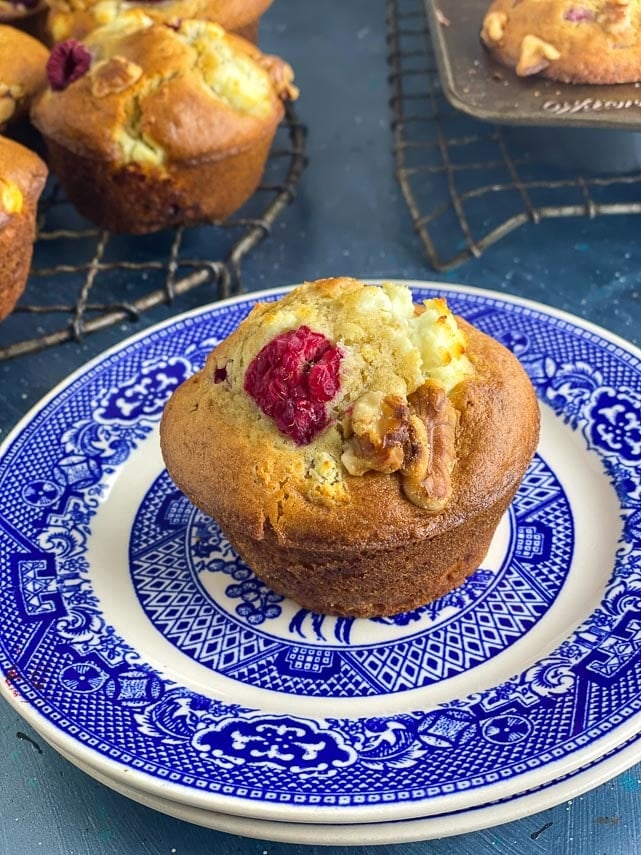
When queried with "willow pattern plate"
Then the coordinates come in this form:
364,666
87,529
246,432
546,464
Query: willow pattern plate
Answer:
134,639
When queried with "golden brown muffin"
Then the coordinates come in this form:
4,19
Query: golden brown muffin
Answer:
149,125
22,178
574,41
75,19
23,62
358,451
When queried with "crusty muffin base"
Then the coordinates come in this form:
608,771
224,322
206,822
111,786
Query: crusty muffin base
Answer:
135,200
17,231
372,583
16,249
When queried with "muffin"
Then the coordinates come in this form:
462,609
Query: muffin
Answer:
22,178
149,125
75,19
357,450
23,62
573,41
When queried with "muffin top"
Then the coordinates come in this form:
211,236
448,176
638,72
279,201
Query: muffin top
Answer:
575,41
74,19
149,93
22,177
23,61
344,411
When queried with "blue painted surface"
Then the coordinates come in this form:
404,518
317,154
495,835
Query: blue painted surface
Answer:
348,218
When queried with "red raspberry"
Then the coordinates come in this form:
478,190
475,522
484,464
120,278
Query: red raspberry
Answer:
291,380
68,61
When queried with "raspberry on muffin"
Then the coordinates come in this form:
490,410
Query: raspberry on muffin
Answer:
22,178
573,41
150,125
357,450
75,19
23,74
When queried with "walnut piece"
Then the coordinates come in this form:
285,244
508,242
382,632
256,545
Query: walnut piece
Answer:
378,429
536,54
427,473
415,437
282,76
114,75
494,27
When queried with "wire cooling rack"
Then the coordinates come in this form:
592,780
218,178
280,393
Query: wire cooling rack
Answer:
467,184
84,279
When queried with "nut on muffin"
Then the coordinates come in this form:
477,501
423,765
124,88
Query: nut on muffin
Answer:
75,19
573,41
151,125
22,178
357,450
23,62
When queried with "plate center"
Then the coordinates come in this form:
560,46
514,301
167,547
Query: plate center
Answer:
208,604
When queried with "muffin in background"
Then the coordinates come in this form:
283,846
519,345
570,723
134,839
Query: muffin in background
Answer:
23,62
75,19
573,41
22,179
149,125
27,15
357,450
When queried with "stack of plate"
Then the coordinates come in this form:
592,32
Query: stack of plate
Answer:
134,640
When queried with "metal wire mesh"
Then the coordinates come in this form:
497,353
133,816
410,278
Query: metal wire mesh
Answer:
84,279
466,183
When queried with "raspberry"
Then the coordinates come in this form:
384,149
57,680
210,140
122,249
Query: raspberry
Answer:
67,62
292,379
578,13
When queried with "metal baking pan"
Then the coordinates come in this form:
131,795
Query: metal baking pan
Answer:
586,127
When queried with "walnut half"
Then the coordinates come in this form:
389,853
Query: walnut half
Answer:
536,54
414,437
427,473
377,430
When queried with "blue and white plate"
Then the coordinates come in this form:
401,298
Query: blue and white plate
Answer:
135,641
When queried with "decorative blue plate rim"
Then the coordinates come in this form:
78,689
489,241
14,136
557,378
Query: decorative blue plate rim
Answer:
455,823
584,693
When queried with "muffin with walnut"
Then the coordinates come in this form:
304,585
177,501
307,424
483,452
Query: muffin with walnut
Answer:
358,450
75,19
149,125
22,179
574,41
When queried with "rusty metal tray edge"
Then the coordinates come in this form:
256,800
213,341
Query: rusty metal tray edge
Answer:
477,85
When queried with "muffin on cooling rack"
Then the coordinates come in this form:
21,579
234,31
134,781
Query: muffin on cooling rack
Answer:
23,62
74,19
574,41
149,125
358,450
22,178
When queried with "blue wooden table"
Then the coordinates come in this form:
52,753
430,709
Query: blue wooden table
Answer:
349,218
